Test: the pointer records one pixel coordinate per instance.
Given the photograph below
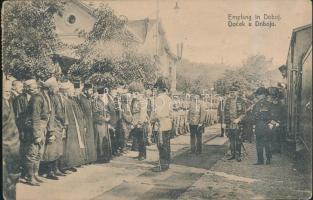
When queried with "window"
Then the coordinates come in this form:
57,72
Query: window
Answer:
71,19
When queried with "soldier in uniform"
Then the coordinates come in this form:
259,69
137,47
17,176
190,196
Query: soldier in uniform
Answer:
35,129
185,111
139,120
52,151
10,146
196,120
181,113
262,119
101,109
277,111
234,112
20,104
162,122
221,116
175,116
124,122
85,102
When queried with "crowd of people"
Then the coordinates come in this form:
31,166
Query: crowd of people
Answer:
53,127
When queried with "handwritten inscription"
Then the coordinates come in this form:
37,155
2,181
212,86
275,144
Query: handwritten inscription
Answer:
266,20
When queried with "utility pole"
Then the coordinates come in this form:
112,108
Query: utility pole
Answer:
157,28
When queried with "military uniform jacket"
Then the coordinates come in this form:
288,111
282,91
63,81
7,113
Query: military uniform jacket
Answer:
10,136
234,108
197,113
261,116
163,112
36,112
101,111
139,112
20,106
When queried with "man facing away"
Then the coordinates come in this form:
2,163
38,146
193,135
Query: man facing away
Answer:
162,123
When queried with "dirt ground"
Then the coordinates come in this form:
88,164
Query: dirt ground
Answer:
229,179
206,176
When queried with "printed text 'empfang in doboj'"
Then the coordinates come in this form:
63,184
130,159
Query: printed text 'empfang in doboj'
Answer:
259,20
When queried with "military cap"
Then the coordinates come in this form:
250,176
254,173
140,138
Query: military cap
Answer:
64,86
233,89
162,83
50,83
100,89
261,90
16,82
30,82
282,68
87,85
76,84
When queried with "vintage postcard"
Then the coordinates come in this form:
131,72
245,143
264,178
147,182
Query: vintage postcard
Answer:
156,99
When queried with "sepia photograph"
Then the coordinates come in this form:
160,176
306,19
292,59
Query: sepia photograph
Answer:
156,99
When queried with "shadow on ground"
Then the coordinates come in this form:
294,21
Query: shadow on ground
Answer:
210,155
172,183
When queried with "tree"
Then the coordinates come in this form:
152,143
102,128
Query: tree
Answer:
109,55
29,38
251,75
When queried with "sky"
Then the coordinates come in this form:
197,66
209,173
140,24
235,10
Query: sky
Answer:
202,26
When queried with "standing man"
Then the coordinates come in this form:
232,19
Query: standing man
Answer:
53,143
221,115
123,123
20,104
101,115
262,120
139,120
162,120
278,116
196,120
35,129
234,112
10,146
85,102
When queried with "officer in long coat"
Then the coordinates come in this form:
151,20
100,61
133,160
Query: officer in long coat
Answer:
234,113
277,110
85,102
10,146
196,120
74,154
162,122
20,104
102,109
35,130
53,144
262,119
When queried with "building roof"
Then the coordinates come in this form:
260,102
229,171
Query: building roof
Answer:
137,30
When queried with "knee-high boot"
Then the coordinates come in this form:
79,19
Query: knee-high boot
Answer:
35,171
29,170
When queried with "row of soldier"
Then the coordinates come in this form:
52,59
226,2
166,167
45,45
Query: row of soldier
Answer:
60,126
